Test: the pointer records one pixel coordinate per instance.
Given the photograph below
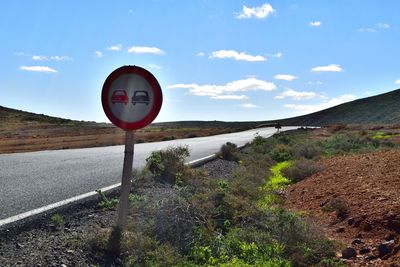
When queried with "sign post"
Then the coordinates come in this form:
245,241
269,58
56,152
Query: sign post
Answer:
131,99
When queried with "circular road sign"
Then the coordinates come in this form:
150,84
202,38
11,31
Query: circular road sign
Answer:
131,97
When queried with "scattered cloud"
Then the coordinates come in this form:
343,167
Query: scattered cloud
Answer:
212,90
304,109
19,54
230,97
375,28
249,105
39,58
115,47
367,30
328,68
38,68
57,58
285,77
277,55
297,95
383,25
260,12
154,66
236,55
315,83
98,54
315,23
200,54
397,81
146,50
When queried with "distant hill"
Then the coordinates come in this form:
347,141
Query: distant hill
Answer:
379,109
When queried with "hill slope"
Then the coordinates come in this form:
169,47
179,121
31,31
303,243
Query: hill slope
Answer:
384,108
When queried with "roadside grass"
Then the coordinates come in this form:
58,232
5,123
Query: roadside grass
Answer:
192,220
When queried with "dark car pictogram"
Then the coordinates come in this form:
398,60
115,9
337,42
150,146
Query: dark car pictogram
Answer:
141,97
120,96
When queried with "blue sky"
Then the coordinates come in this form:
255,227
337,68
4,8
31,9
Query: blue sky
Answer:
215,60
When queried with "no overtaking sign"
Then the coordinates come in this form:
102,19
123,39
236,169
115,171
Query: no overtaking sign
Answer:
131,97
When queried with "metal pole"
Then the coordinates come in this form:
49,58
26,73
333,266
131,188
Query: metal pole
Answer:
126,179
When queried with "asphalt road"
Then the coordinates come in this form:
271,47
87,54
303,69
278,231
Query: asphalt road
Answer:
35,179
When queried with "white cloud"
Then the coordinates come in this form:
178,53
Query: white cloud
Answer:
146,50
229,97
285,77
383,25
43,58
277,55
98,54
61,58
367,30
305,109
328,68
115,47
315,23
38,68
315,83
236,55
154,66
200,54
212,90
297,95
260,12
39,58
249,105
397,81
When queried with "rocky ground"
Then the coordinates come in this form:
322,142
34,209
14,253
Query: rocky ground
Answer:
367,188
41,243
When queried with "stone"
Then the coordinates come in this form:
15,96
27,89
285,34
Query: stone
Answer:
383,249
340,230
356,241
364,250
349,253
19,245
370,257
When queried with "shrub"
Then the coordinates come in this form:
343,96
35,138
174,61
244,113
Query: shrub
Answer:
301,169
166,165
339,205
229,152
281,153
345,143
105,202
307,150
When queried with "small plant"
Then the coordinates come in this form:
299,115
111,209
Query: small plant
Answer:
339,205
105,203
301,169
223,185
168,165
229,151
57,220
136,198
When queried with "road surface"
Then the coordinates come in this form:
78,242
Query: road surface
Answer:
36,179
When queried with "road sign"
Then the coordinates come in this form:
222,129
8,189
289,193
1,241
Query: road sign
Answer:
131,97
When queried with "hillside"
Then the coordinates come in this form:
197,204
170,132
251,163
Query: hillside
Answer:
383,108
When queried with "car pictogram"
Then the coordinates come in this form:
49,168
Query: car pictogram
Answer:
120,96
141,97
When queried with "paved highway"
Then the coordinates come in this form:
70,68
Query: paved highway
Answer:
35,179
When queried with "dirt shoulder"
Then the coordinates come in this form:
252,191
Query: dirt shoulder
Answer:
369,184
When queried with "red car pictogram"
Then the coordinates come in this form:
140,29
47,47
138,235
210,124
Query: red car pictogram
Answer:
120,96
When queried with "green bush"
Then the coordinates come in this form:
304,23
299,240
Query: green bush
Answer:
281,153
307,151
301,169
167,165
345,143
229,152
57,220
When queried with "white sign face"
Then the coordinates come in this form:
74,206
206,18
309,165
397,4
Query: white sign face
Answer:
130,98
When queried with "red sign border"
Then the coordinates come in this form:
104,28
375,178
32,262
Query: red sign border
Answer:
157,102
